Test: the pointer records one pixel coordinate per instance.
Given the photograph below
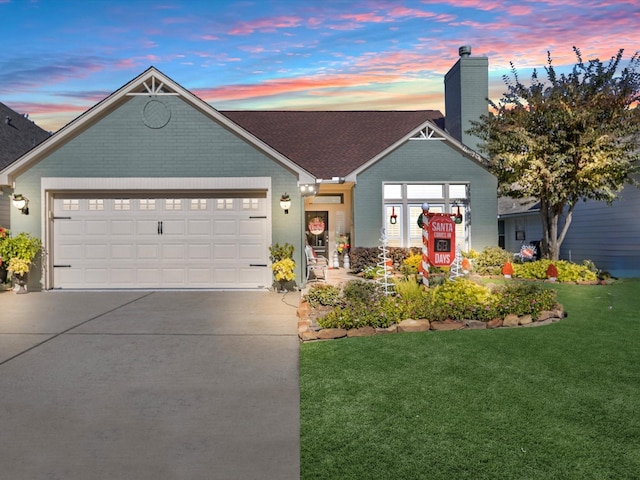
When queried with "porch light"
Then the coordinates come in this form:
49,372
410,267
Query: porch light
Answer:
21,203
285,203
308,189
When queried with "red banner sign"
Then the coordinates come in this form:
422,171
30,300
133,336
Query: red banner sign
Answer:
442,241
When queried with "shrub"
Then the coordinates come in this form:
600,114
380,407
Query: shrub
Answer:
525,298
283,270
323,294
383,312
461,299
359,291
373,272
491,260
367,257
280,252
409,289
411,263
567,271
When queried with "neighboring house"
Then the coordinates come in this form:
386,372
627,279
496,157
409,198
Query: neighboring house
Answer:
608,235
18,135
154,188
518,223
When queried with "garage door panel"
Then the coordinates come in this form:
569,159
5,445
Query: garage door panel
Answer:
174,251
125,276
249,252
251,228
199,252
96,276
147,251
173,277
173,228
225,227
199,227
225,275
122,251
69,228
116,243
96,227
95,252
147,228
69,252
199,276
122,227
225,251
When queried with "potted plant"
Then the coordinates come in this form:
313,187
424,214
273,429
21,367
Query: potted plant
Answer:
283,266
24,248
19,270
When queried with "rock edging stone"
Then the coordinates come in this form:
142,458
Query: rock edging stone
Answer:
307,331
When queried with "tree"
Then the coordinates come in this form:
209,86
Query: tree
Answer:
572,137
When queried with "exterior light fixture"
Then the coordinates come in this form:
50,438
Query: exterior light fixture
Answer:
21,203
308,190
285,202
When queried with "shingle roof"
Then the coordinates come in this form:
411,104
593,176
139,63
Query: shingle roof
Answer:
18,135
332,143
516,206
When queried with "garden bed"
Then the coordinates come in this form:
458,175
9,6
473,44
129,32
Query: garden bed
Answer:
309,330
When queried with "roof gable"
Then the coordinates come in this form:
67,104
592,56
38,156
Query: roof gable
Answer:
18,135
151,82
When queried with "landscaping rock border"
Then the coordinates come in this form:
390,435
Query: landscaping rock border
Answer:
308,330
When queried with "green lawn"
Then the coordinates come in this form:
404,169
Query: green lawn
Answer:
555,402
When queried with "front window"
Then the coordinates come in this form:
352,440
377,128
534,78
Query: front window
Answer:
403,205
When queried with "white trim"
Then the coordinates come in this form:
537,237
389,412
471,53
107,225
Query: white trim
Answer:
153,183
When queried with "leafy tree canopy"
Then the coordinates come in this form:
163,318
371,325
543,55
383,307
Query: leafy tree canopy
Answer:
567,138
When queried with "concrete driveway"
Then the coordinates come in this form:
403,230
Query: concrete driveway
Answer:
149,385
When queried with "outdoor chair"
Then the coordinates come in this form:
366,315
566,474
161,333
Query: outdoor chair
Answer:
316,264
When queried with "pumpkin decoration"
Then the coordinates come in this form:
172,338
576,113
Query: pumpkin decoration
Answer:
507,270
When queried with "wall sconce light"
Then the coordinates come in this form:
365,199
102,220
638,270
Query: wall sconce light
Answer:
285,203
21,203
308,189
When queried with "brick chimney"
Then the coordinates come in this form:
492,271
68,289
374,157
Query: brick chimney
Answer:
466,90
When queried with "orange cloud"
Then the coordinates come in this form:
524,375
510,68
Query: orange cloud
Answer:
266,25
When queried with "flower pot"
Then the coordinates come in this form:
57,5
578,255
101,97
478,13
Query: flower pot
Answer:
3,274
20,281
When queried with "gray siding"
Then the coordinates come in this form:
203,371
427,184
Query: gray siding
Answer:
607,235
190,145
426,161
5,205
531,225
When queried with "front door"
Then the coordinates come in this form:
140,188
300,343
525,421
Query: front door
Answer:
317,231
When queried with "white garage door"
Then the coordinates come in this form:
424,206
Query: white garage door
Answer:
160,242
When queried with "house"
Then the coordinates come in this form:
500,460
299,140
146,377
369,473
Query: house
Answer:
605,234
18,135
154,188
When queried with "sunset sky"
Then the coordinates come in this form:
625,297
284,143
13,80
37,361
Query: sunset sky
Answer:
60,57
